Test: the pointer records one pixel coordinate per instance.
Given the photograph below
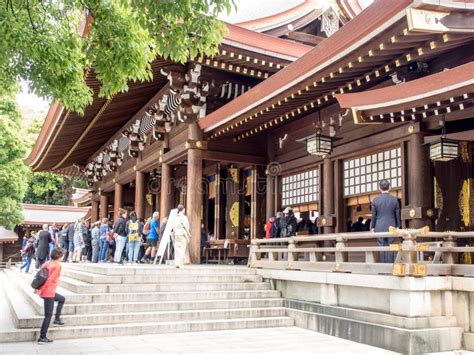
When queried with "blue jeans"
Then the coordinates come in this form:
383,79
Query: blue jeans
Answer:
27,264
133,250
121,241
51,247
71,245
103,249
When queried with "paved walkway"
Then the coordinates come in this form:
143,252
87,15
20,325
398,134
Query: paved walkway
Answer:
259,341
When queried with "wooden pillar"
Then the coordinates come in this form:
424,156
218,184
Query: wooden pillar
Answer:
220,206
166,191
339,203
270,207
234,203
328,193
95,211
118,199
194,194
140,194
104,206
420,182
257,207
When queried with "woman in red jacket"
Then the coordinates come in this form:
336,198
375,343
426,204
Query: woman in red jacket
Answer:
48,293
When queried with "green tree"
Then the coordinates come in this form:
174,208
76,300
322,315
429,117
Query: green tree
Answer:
44,187
12,170
41,43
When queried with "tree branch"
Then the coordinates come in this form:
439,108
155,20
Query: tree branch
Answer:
29,15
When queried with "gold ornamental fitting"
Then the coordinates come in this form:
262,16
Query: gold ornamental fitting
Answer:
199,144
429,212
411,129
400,269
412,213
419,270
187,145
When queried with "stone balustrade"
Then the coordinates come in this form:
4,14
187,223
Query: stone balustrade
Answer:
416,252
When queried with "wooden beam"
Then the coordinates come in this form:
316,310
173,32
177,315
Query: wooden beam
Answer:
234,158
305,38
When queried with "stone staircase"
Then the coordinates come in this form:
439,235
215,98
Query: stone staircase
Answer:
107,300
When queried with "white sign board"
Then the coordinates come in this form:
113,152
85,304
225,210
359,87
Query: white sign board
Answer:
165,239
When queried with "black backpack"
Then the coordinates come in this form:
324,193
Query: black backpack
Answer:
40,278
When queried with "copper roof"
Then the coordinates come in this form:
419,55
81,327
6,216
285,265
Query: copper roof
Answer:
374,17
265,44
49,214
431,85
357,57
407,96
7,236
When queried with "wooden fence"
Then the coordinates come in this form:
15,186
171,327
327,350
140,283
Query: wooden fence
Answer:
416,252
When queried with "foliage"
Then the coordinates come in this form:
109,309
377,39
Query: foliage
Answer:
44,187
40,42
12,170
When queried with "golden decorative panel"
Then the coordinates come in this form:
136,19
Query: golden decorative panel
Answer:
234,214
438,196
465,204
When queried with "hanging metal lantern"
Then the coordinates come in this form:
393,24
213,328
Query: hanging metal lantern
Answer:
319,144
444,149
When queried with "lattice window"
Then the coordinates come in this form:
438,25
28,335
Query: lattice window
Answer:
300,188
362,175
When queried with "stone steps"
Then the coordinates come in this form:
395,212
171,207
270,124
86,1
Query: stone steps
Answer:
90,331
192,300
79,286
145,269
34,320
158,278
142,303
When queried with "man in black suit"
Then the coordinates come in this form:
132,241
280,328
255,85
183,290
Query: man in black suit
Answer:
385,214
42,251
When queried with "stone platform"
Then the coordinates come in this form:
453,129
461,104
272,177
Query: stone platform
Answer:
107,300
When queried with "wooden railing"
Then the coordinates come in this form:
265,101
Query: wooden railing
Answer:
416,252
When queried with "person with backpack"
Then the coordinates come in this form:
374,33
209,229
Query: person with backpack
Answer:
27,253
103,242
134,231
47,291
288,223
275,229
120,230
152,238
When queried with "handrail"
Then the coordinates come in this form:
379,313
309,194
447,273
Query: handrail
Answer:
9,257
413,254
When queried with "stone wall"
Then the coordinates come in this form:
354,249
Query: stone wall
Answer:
403,314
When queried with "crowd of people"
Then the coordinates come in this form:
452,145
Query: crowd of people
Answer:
128,240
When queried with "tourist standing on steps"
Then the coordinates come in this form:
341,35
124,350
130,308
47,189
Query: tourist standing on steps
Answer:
68,255
120,230
48,293
385,214
133,234
78,241
152,237
42,250
181,237
95,241
104,243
